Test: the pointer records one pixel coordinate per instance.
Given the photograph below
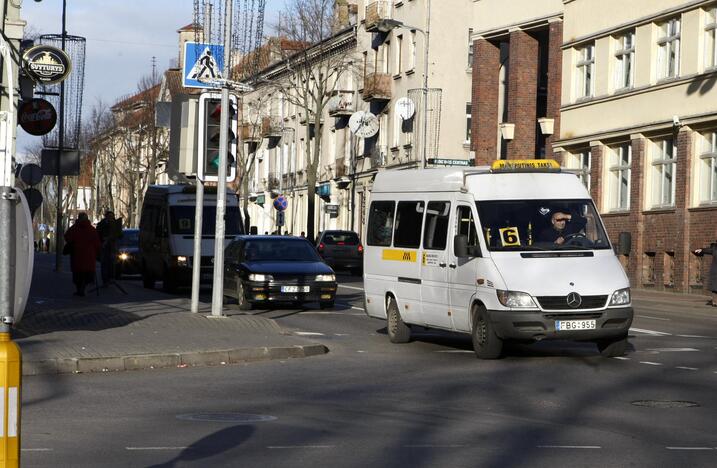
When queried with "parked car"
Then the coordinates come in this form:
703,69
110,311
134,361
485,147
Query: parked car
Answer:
341,250
269,269
128,254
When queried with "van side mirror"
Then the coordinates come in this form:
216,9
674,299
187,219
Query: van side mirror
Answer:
624,243
460,245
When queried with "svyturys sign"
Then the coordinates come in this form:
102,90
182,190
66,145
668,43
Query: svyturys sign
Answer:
46,64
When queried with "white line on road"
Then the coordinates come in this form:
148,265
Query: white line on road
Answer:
654,318
316,312
358,308
622,358
570,446
649,332
350,287
308,333
156,448
289,447
687,368
36,450
689,448
455,351
649,363
434,446
672,350
695,336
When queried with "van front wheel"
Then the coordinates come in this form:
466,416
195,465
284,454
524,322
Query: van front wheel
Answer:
398,331
486,344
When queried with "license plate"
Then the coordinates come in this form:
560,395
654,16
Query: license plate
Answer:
294,289
570,325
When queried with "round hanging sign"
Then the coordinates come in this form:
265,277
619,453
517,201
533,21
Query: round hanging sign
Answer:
281,203
46,64
36,116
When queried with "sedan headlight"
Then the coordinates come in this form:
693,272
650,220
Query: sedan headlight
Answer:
182,261
124,256
260,277
620,297
515,299
325,277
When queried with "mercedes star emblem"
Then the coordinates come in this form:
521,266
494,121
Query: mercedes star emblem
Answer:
574,300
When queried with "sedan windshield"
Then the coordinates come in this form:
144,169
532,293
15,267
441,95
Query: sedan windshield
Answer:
278,250
541,225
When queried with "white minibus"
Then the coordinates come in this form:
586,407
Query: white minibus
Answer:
515,251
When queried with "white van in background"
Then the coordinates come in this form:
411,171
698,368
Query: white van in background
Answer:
477,251
166,233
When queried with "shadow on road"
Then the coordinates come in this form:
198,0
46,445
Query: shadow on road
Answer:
213,444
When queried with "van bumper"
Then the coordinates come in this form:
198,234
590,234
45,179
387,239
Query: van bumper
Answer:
534,325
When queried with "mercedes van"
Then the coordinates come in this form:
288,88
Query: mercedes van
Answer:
515,251
166,233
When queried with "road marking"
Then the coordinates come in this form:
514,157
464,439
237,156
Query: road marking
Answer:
650,332
570,446
654,318
36,450
157,448
689,448
289,447
316,312
350,287
358,308
308,333
454,351
651,363
621,358
672,350
694,336
435,446
687,368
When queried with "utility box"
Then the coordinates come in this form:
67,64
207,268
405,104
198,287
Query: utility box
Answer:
183,135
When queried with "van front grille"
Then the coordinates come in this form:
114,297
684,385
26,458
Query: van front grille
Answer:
561,302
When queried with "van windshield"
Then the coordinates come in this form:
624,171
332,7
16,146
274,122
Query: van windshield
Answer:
520,225
182,220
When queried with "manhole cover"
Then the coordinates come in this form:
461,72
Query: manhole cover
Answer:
665,403
234,418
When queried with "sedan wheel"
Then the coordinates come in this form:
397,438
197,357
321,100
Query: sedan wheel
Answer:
244,304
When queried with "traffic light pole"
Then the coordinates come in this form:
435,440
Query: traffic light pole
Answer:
218,285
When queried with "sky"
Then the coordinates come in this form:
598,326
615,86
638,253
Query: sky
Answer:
122,37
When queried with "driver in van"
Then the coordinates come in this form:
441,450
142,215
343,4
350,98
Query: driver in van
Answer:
558,229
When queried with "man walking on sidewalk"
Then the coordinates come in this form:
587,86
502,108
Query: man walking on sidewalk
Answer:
83,245
711,250
108,230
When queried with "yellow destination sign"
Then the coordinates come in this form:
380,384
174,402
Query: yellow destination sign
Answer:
399,255
525,164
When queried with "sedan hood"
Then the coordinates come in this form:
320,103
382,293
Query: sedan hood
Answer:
289,268
558,276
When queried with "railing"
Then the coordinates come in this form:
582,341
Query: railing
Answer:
377,86
272,182
376,12
342,104
271,127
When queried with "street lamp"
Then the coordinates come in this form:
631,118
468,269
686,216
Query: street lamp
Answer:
388,24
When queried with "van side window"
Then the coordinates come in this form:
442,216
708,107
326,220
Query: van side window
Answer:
467,225
435,232
409,218
380,223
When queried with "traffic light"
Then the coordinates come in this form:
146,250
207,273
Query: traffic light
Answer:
210,110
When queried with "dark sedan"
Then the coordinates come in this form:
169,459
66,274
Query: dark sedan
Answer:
127,262
341,249
268,269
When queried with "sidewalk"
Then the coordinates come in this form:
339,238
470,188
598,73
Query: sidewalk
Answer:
61,333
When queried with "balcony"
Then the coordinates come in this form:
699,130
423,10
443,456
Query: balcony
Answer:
376,13
272,182
342,104
377,87
272,127
312,120
250,132
340,170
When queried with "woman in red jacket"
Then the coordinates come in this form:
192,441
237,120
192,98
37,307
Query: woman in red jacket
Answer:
83,242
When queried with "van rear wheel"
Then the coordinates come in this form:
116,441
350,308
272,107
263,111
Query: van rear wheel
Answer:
398,331
486,344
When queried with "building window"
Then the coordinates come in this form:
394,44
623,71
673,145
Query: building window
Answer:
711,38
668,269
470,48
618,190
663,173
397,122
412,52
469,119
648,269
668,53
625,56
385,57
707,168
399,55
585,65
581,162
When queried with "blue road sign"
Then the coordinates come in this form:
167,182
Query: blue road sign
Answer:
202,63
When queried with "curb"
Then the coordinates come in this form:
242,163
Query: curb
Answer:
156,361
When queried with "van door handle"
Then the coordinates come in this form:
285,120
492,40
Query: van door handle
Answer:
442,264
452,265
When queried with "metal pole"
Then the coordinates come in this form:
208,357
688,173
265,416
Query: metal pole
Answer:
426,35
59,238
281,179
354,144
218,287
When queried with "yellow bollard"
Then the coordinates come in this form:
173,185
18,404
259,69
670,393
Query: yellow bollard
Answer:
10,376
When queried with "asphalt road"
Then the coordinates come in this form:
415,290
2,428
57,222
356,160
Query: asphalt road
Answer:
428,403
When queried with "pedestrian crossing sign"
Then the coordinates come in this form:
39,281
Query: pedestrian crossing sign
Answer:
203,64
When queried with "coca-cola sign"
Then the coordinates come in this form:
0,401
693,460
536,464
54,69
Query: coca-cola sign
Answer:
37,117
46,64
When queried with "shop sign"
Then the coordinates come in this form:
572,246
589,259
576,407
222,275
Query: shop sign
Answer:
46,64
37,117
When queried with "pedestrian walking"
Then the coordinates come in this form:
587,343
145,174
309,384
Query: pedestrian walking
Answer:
712,276
110,231
83,245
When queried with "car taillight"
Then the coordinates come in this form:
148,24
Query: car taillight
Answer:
321,246
360,248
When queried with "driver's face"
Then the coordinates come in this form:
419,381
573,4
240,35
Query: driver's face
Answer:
559,220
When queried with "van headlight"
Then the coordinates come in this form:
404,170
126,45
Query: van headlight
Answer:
515,299
620,297
325,278
182,261
260,277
